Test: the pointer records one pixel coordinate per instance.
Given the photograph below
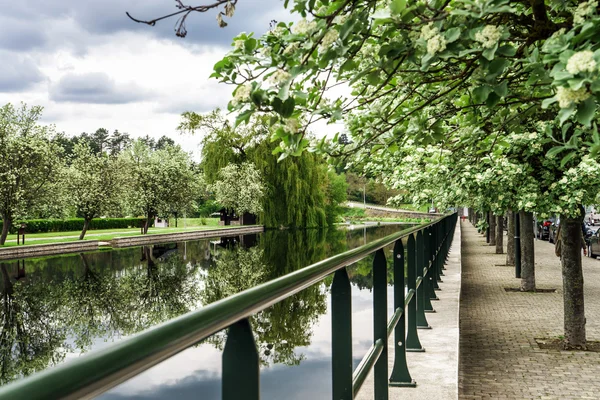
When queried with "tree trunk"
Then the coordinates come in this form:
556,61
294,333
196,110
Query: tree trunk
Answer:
574,313
147,223
86,225
6,224
527,252
492,229
500,235
510,244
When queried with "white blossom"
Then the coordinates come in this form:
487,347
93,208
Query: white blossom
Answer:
279,77
242,94
429,31
291,49
304,27
488,36
436,44
566,97
291,125
265,51
330,37
340,19
582,61
238,44
583,10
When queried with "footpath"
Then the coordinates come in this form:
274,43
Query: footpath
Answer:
436,369
499,356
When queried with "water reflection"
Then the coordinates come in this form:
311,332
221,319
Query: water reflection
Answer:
55,308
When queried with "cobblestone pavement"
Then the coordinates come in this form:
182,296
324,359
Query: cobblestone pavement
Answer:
499,358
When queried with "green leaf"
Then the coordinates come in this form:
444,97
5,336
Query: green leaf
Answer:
565,113
481,93
501,89
554,151
567,158
452,34
243,117
373,77
496,68
507,50
397,6
492,100
288,107
586,111
546,102
489,52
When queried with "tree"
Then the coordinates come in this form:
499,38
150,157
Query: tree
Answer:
425,71
240,188
94,183
159,181
29,163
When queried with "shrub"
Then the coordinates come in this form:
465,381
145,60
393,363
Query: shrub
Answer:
74,224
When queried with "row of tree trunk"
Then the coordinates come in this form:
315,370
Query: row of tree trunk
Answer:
572,272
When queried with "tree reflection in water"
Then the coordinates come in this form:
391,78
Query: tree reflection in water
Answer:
70,304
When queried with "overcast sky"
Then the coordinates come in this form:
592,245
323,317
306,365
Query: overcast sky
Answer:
92,67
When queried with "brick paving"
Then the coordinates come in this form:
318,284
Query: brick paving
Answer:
499,358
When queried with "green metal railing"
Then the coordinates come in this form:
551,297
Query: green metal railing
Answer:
427,249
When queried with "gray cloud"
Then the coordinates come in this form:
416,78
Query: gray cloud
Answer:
212,95
17,35
18,72
37,23
96,88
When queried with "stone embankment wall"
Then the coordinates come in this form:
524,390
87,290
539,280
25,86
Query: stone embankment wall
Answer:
183,236
10,253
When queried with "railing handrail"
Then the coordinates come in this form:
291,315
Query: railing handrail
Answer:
101,370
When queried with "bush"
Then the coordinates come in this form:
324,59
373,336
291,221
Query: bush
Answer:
74,224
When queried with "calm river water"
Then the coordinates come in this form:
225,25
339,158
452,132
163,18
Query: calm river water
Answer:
56,308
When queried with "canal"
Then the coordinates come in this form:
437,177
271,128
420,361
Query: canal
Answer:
56,308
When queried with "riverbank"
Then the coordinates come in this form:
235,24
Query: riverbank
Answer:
105,235
68,245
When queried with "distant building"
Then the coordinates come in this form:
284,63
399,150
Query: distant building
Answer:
161,222
231,218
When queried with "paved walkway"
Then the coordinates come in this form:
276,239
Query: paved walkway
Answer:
499,357
435,370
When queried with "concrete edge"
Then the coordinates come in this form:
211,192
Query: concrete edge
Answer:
182,236
458,239
34,250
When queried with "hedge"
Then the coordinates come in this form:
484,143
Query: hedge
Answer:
75,224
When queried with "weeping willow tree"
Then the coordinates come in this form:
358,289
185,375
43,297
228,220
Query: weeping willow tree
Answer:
296,189
300,192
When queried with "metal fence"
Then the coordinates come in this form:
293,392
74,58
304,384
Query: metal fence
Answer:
427,248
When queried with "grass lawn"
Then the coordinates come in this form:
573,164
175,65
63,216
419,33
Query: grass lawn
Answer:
191,224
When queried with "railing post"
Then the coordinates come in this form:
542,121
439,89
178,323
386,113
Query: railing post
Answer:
341,336
421,320
380,369
428,292
438,240
412,337
400,374
433,271
517,245
241,372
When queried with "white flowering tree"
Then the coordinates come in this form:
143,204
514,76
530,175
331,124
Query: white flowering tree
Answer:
30,163
159,181
240,188
421,71
94,183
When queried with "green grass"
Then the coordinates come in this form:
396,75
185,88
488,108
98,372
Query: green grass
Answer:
192,224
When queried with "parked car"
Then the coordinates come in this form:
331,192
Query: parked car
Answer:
543,229
593,242
553,230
